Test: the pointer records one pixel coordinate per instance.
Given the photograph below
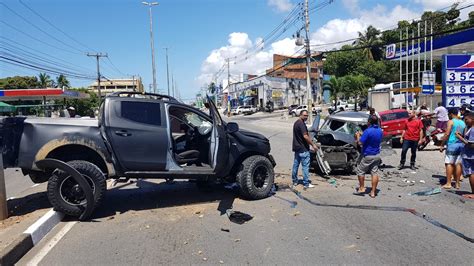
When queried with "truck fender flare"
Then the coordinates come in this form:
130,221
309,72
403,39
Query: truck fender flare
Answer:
57,143
57,164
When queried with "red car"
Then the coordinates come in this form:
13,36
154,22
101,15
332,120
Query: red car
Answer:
393,122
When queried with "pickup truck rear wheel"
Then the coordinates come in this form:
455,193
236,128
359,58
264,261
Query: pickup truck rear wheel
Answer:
255,177
66,195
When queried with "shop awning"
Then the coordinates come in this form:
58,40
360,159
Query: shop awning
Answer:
6,108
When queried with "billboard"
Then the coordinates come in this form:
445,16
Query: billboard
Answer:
458,80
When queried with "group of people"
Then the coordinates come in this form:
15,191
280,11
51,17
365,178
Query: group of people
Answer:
458,142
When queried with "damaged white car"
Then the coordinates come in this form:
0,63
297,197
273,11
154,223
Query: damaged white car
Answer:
338,148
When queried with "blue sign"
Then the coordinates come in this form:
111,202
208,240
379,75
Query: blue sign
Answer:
458,80
428,82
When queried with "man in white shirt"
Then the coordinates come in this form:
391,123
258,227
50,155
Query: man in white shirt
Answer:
441,117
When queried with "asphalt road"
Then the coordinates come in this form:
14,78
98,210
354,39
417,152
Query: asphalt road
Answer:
156,223
16,183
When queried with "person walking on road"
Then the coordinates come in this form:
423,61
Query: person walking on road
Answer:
301,147
441,116
467,156
370,141
454,148
412,135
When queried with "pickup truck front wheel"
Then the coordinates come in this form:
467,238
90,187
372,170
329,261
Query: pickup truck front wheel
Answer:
256,177
66,195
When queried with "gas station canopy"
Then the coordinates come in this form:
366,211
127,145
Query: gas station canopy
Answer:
40,94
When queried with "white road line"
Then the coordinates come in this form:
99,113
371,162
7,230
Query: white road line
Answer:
50,244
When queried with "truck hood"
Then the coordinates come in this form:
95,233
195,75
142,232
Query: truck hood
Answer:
253,134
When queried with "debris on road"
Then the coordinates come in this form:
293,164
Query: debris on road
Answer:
429,192
225,230
237,240
238,217
296,213
333,182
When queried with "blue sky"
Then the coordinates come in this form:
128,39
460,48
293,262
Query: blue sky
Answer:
200,34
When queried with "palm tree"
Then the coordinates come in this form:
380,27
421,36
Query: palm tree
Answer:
368,39
336,88
45,80
356,86
61,81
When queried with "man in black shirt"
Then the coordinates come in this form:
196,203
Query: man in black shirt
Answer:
301,146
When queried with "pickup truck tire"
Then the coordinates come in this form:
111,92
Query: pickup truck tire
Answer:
63,191
255,177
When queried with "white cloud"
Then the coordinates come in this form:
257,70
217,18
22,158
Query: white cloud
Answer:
242,50
352,6
334,30
342,29
435,4
281,5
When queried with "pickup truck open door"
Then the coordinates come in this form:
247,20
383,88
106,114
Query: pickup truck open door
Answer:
219,150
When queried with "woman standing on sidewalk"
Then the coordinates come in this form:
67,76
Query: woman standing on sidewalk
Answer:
468,154
454,148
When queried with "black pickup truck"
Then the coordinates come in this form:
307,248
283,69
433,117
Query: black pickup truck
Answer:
137,135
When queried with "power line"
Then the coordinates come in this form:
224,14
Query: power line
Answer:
14,49
36,67
388,28
36,39
38,28
54,26
114,67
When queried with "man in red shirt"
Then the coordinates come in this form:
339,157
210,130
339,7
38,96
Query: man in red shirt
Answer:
412,136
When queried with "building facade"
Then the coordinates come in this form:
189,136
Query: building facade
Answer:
116,85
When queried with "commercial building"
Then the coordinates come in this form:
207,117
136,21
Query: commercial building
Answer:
115,85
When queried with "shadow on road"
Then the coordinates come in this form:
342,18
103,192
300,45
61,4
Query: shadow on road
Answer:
146,195
28,204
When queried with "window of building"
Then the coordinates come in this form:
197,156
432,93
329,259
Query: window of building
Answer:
142,112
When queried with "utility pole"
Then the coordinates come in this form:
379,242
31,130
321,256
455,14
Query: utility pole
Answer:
97,57
3,193
172,84
150,5
228,84
167,72
308,63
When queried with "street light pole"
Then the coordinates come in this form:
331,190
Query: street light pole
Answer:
167,72
150,5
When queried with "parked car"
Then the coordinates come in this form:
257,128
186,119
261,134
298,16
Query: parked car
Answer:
291,108
236,111
344,106
393,122
297,110
137,136
248,109
338,149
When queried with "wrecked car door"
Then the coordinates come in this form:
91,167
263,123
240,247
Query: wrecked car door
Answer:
219,150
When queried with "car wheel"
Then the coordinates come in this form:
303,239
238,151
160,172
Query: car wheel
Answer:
293,114
65,194
255,177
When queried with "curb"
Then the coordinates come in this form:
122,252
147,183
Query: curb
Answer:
28,239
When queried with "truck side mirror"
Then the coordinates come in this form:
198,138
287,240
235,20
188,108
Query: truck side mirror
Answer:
232,127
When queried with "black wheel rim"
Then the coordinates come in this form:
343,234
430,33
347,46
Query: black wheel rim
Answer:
71,192
261,175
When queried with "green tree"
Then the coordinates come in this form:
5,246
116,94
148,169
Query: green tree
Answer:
336,88
344,62
370,37
62,81
19,82
356,86
44,80
84,107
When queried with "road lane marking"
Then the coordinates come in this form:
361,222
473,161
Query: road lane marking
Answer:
51,244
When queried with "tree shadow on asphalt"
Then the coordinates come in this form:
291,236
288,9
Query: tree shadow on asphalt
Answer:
28,204
148,195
